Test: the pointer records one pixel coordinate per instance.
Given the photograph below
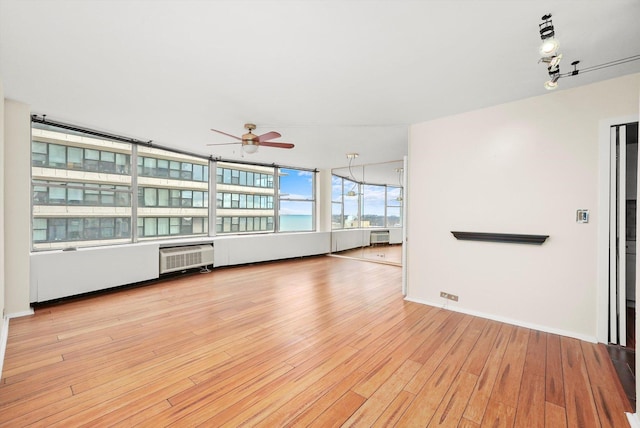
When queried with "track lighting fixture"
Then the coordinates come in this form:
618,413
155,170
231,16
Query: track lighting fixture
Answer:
551,57
549,51
552,83
547,33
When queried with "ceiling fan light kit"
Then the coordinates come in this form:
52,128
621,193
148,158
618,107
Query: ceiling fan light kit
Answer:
251,142
250,147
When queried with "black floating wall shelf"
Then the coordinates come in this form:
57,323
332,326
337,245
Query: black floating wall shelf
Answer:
501,237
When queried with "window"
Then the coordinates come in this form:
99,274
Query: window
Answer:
152,197
373,205
173,194
228,175
394,206
83,184
245,201
337,218
74,229
57,156
95,208
356,204
238,224
52,155
80,194
153,227
244,198
351,204
149,166
296,198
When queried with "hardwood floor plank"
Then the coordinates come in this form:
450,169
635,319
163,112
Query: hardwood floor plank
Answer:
342,379
395,353
395,410
252,409
579,400
428,399
555,416
554,391
320,341
117,392
478,358
531,401
466,423
508,381
326,402
450,411
531,404
484,387
342,409
372,409
29,403
598,362
45,363
125,407
435,352
498,414
611,412
536,356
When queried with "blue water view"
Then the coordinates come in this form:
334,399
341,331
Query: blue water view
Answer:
295,223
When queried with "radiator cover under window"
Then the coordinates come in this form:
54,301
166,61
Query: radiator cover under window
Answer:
179,258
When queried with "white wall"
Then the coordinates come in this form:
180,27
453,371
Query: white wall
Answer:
323,200
56,274
17,215
2,181
523,167
233,250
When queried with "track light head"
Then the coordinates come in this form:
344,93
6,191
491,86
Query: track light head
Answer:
552,83
549,47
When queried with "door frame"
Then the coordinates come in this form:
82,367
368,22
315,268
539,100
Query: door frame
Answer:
604,193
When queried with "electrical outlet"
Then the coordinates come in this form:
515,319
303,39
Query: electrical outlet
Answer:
449,296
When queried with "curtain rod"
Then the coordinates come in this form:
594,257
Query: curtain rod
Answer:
43,120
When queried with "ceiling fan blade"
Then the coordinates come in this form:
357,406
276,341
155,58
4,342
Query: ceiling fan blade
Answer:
228,135
279,145
269,136
223,144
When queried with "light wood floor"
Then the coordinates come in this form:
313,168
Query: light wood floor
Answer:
320,342
382,253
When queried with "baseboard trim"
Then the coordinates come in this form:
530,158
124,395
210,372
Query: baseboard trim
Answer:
506,320
21,314
4,334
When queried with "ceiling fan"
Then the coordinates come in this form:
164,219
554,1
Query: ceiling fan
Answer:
250,142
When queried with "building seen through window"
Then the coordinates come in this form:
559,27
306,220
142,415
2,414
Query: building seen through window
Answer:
82,188
89,189
173,194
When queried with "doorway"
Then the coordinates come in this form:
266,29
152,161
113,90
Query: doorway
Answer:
623,192
622,234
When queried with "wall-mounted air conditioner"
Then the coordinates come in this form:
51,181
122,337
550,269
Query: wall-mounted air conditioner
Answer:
180,258
379,237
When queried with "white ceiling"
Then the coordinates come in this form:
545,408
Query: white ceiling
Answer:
331,76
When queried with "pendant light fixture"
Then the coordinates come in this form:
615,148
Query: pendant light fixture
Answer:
352,192
400,171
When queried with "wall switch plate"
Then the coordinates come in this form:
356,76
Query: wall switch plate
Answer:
449,296
582,216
